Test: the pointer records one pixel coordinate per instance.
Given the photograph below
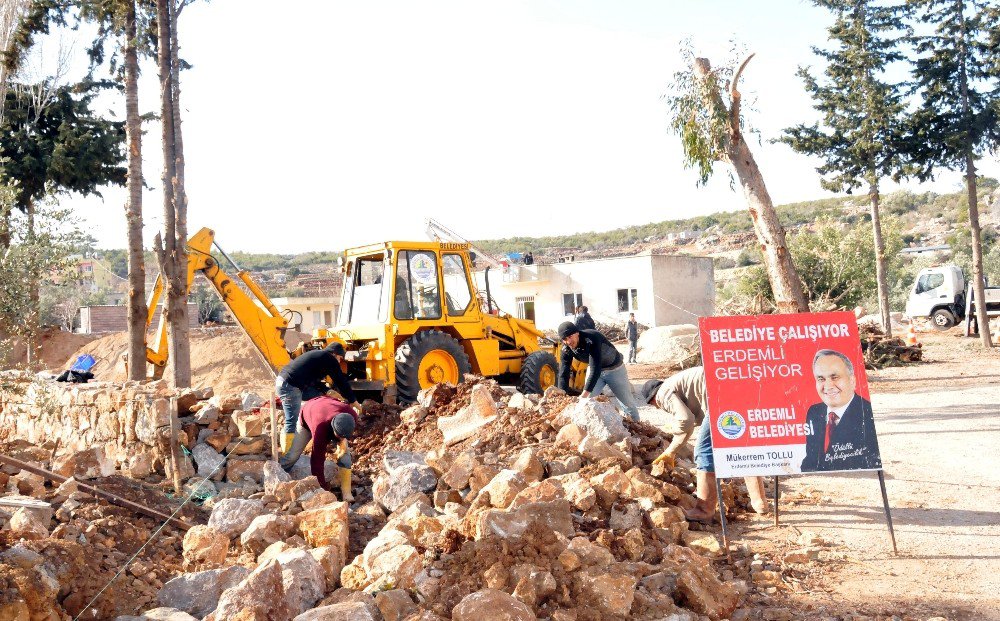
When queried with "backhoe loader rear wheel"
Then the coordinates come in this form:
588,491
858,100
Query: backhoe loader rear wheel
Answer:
427,358
538,372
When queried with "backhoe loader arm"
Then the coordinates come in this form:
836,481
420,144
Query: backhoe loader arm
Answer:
263,323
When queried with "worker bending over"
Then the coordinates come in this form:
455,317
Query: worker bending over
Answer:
684,397
605,365
305,372
324,420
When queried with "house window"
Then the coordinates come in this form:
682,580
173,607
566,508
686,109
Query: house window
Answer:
327,318
526,307
628,300
571,301
316,318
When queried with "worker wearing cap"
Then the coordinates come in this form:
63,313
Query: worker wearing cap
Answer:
325,420
303,373
605,365
684,397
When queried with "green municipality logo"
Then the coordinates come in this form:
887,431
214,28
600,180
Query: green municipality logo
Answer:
731,425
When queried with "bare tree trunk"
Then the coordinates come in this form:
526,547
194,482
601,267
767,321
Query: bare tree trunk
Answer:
133,208
785,284
181,331
978,277
170,253
880,261
5,212
32,319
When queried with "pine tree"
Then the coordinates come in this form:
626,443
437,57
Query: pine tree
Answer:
957,76
861,131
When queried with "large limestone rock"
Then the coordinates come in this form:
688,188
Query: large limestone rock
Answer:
390,490
493,605
344,611
326,526
481,411
554,515
87,464
332,560
599,419
610,593
265,530
260,596
303,579
205,547
504,487
232,516
208,461
198,593
395,604
160,614
699,585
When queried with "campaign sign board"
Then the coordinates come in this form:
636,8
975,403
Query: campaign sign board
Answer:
787,394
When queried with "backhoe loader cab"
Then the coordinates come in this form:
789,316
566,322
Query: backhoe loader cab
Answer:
411,317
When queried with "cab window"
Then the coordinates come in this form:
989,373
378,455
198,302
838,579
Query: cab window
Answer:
928,282
457,292
363,301
417,293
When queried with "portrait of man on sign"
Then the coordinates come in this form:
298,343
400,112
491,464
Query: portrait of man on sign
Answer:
841,432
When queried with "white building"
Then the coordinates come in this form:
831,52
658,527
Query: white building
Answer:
309,313
660,289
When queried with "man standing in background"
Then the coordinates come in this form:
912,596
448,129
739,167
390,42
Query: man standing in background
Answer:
632,334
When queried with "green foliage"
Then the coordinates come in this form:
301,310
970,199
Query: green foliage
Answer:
861,133
35,258
210,306
58,144
956,76
836,265
698,114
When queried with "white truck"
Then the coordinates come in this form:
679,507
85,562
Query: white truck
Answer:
943,294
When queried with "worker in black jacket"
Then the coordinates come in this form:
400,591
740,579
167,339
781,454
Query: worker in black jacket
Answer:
605,366
302,374
583,319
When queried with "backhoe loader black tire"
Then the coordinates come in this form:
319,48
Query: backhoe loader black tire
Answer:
534,367
412,352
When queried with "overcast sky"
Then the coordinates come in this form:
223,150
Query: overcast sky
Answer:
328,124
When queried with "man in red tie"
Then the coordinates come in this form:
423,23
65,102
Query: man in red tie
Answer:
842,428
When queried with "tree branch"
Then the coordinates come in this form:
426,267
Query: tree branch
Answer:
734,98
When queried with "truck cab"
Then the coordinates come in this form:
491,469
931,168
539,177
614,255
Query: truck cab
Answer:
938,293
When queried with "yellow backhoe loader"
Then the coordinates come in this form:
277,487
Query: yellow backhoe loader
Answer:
411,316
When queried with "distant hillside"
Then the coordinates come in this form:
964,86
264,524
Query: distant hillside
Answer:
922,218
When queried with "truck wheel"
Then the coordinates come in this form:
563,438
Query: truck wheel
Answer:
427,358
538,372
943,319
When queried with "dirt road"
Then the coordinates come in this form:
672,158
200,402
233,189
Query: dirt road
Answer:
939,433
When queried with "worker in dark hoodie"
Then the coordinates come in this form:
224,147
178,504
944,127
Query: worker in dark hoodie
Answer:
605,365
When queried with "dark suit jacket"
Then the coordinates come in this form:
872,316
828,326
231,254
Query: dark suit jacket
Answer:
853,445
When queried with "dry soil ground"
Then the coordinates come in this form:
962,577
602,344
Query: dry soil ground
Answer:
938,425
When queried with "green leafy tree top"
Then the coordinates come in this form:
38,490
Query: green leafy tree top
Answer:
957,74
861,132
59,144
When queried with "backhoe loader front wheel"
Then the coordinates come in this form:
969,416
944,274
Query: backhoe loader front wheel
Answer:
538,372
427,358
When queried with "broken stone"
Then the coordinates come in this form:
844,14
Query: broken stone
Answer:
83,465
206,415
325,526
251,401
25,523
249,424
413,414
391,491
458,473
570,436
159,614
491,604
261,595
590,553
481,411
242,468
257,445
265,530
232,516
699,585
528,464
663,517
599,419
218,439
596,450
271,475
504,487
553,515
702,542
198,593
344,611
611,594
394,460
205,547
397,565
209,461
564,465
186,468
625,517
395,604
314,499
303,579
542,491
518,402
331,559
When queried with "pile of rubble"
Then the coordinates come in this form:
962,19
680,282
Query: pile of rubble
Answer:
678,346
881,351
473,503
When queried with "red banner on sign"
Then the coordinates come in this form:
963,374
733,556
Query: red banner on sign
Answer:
787,394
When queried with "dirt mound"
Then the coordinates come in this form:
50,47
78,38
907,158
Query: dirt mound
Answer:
55,348
674,345
221,357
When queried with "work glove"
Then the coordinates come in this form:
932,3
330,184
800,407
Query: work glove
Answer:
667,460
